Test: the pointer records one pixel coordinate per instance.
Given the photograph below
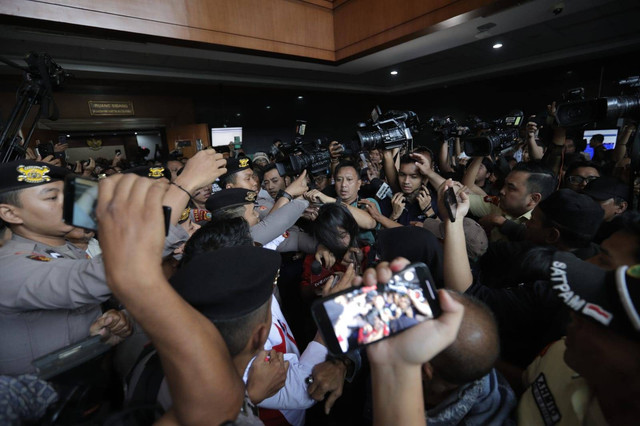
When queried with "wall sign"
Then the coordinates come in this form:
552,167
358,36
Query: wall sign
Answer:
111,108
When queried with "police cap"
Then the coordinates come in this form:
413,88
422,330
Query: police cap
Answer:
241,281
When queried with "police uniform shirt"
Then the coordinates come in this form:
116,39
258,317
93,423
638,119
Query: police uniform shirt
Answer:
556,394
275,224
264,203
49,296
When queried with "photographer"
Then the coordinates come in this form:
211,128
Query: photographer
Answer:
411,204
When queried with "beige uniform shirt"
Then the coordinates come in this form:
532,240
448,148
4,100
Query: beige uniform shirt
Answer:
478,207
49,296
556,394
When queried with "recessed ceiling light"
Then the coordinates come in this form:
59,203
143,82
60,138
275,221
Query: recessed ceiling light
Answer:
135,133
237,114
68,136
497,45
300,97
394,72
268,106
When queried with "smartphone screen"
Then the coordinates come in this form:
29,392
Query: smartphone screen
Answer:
359,316
80,200
451,203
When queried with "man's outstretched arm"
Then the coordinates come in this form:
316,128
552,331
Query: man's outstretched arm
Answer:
204,384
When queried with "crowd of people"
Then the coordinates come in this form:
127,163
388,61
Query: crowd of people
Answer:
210,322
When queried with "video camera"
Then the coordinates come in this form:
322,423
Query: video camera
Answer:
387,131
580,111
446,127
504,134
292,159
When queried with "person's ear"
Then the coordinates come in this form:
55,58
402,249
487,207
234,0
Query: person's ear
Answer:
621,208
259,336
552,235
10,214
536,197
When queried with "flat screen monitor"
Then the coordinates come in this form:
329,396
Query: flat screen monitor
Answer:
222,136
610,137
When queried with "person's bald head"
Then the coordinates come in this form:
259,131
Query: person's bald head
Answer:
476,348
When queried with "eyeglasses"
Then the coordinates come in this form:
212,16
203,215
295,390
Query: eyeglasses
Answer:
579,180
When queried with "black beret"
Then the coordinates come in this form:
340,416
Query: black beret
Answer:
235,165
607,187
154,172
21,174
241,281
230,198
573,211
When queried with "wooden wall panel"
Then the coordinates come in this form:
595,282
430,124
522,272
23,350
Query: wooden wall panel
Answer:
189,132
365,25
280,26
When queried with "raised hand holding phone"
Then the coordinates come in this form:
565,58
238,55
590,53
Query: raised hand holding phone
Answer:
356,317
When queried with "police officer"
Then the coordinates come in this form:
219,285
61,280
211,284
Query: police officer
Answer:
49,291
275,231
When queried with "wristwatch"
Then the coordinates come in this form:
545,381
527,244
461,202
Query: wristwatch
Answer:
285,194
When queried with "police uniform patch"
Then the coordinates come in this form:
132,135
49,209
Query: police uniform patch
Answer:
185,215
156,172
545,401
262,208
244,162
39,258
33,174
251,196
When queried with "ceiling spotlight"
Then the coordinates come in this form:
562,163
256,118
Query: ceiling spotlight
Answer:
394,72
237,114
268,106
300,97
135,133
68,136
497,45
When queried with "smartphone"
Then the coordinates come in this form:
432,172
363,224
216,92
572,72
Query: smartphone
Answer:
364,157
301,127
451,203
81,199
45,149
356,317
